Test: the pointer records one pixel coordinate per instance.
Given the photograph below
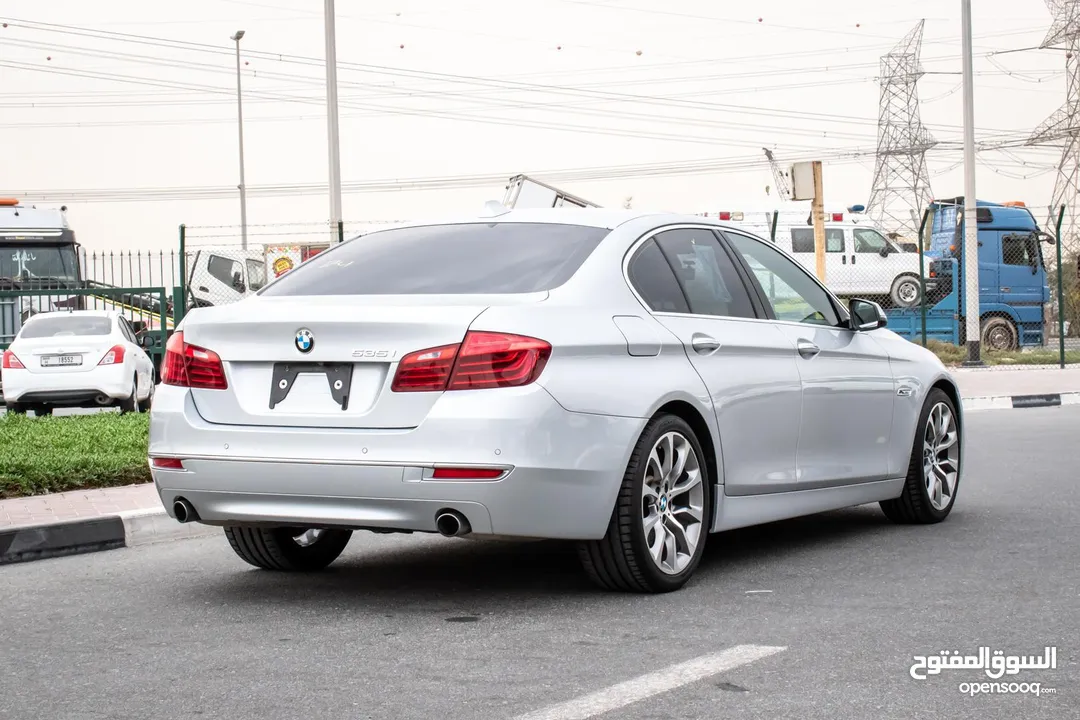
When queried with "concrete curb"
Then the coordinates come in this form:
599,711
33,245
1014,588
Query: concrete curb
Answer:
1009,402
126,529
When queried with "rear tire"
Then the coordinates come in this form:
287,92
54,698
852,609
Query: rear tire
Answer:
284,549
16,408
664,502
131,404
905,291
43,410
935,461
144,405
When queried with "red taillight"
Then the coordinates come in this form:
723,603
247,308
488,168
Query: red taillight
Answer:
723,215
425,370
115,356
460,473
167,463
482,360
838,217
191,366
11,362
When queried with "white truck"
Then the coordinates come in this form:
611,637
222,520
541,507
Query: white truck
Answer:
859,259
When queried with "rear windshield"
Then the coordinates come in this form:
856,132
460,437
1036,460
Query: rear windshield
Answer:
66,325
464,259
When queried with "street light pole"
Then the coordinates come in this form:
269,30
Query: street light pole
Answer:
972,324
332,117
240,123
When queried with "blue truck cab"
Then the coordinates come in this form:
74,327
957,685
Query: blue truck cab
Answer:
1013,289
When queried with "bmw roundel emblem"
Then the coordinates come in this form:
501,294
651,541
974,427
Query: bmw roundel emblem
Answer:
304,340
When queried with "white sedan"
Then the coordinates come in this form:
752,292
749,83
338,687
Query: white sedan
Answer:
81,358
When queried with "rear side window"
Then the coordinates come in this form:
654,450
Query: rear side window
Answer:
802,240
706,273
475,258
652,277
66,325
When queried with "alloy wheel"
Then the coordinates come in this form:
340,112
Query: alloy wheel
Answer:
672,503
941,456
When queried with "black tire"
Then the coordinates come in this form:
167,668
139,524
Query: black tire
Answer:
999,334
144,405
16,408
900,291
913,507
131,404
42,410
278,549
621,559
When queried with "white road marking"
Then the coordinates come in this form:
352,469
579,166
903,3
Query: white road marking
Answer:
645,686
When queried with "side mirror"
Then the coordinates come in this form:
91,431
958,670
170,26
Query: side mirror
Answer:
238,281
147,341
866,315
884,252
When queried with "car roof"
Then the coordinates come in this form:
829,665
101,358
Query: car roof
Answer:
588,217
112,314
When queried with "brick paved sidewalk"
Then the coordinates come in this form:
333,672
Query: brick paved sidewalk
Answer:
77,505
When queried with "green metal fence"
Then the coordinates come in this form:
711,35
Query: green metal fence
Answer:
149,309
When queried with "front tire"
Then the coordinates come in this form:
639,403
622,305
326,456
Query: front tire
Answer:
934,469
288,549
999,334
658,528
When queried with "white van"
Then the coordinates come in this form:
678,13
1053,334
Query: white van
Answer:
859,260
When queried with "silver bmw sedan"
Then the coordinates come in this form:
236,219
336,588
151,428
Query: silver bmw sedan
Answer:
632,382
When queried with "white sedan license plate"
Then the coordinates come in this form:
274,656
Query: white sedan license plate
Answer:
60,360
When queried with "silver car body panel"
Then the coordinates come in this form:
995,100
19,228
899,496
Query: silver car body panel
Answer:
789,435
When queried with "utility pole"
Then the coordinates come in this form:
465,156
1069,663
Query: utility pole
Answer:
240,123
332,118
972,323
806,184
817,208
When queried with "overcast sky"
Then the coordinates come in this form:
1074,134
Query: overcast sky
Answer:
96,105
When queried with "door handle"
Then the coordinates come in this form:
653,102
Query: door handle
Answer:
203,288
704,344
807,349
852,259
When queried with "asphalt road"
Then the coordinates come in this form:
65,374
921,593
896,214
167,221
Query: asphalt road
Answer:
405,627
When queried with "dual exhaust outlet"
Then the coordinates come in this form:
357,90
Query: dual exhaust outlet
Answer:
449,523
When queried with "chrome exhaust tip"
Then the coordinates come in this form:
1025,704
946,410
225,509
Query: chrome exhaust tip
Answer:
451,523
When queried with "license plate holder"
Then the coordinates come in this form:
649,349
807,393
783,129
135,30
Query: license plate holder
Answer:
338,376
61,360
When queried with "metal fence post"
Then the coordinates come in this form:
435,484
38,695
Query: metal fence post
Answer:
183,269
341,231
1060,291
922,275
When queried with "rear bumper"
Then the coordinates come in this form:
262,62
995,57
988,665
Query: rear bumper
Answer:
563,469
74,389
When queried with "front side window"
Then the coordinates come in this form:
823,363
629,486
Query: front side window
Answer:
223,269
802,240
870,241
1020,249
791,291
466,259
66,326
706,273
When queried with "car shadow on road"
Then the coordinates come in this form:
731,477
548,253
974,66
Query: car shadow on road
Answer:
428,572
